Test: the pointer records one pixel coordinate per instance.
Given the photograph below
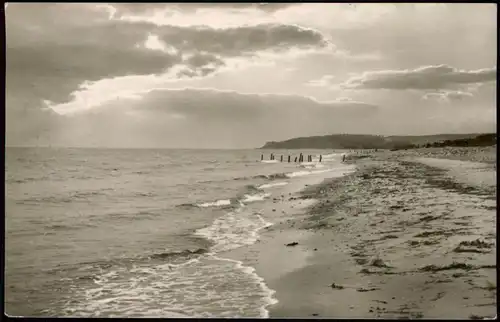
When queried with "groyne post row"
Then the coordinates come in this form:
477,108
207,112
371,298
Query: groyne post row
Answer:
300,158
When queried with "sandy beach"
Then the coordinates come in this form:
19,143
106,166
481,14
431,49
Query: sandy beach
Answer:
409,234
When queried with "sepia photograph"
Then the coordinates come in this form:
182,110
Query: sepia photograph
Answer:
250,160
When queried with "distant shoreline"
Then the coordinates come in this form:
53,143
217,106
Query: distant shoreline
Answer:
361,141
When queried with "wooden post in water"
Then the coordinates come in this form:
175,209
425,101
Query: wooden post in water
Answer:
261,157
289,159
320,157
300,157
281,160
295,159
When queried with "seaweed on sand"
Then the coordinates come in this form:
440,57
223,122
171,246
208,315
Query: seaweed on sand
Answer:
454,265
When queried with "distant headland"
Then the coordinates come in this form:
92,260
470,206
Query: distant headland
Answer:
362,141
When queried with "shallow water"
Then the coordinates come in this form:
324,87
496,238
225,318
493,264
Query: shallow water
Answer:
96,232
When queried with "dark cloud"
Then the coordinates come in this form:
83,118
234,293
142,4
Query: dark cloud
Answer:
50,56
241,40
422,78
202,59
140,8
64,45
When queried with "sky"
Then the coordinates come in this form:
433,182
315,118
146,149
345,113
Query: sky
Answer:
238,75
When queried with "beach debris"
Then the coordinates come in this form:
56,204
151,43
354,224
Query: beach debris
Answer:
432,233
292,244
337,286
454,265
489,286
389,237
378,262
413,242
361,289
438,296
361,261
478,243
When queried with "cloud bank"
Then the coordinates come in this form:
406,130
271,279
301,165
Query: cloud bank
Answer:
422,78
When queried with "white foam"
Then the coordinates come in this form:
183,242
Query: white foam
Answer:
233,230
306,173
218,203
333,157
272,185
269,161
253,198
208,287
298,174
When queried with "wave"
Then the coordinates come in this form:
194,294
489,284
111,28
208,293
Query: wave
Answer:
172,257
240,178
269,161
253,198
249,193
251,188
218,203
222,203
185,253
63,227
141,215
281,175
144,194
26,180
136,172
272,185
274,176
306,173
233,230
76,196
205,287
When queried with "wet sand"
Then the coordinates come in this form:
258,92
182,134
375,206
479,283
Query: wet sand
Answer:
405,236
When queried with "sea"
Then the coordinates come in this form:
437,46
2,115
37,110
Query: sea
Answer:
140,232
